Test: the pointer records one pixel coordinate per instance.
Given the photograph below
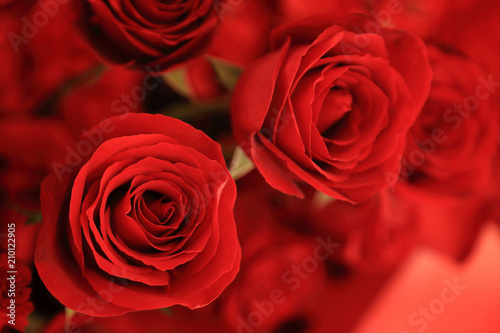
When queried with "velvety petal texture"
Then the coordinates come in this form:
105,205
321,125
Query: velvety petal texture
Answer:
331,105
149,33
145,222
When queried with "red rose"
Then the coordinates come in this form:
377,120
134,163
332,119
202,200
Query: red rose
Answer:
454,139
29,149
477,34
149,33
273,285
243,32
281,270
447,164
30,72
146,222
375,235
331,105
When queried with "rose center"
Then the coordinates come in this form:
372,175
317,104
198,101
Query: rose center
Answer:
334,111
160,206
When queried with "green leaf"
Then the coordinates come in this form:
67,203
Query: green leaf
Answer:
95,75
36,323
241,165
189,111
90,77
69,316
33,216
176,80
168,312
227,73
321,200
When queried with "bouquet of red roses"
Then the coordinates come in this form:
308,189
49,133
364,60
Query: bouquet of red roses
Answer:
249,166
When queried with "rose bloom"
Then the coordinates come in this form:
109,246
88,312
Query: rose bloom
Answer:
30,72
144,222
149,33
330,105
273,285
454,139
376,235
477,35
243,33
281,269
23,305
447,166
372,237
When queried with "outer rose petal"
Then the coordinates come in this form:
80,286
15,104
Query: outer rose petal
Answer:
53,261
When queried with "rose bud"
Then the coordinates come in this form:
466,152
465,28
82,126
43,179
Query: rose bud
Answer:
330,105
